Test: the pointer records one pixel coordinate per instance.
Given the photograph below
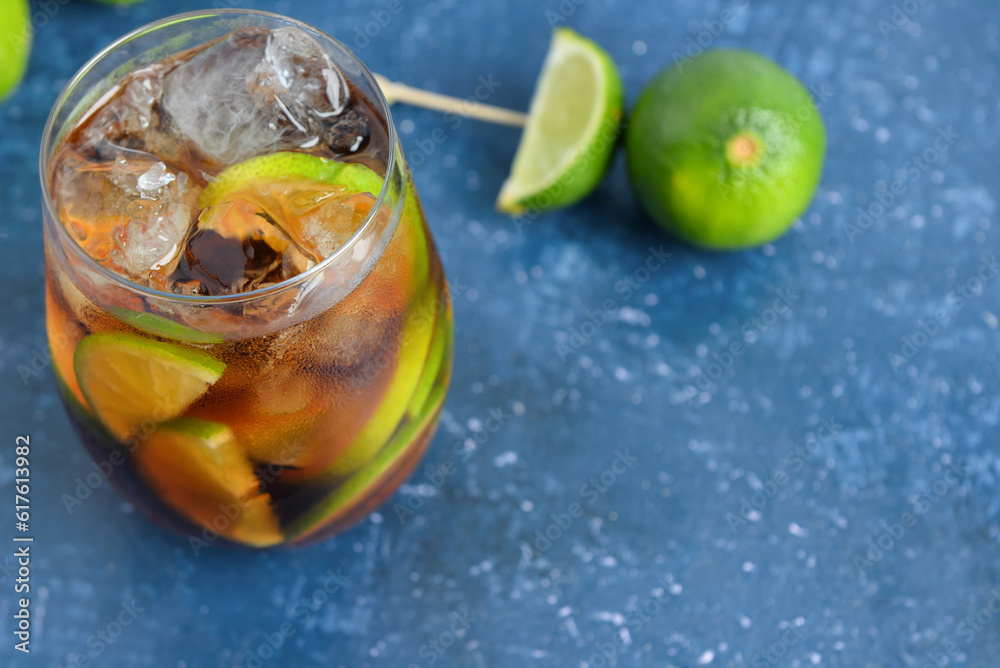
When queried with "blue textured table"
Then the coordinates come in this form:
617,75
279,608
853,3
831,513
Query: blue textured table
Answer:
829,496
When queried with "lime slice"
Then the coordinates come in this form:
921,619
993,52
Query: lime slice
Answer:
414,349
197,467
360,485
157,325
129,379
441,347
573,125
289,166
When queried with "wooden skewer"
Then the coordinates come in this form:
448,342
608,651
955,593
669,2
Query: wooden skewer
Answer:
398,92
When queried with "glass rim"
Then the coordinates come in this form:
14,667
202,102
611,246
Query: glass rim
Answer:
48,139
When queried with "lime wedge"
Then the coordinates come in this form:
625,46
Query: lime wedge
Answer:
413,352
573,125
441,344
157,325
414,349
128,379
197,467
15,43
289,166
342,499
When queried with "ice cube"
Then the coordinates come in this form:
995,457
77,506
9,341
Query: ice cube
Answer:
130,114
256,91
130,214
156,178
328,220
234,247
307,84
157,220
130,119
210,100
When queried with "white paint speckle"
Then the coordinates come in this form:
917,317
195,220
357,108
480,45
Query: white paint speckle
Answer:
614,617
706,657
797,530
505,459
633,316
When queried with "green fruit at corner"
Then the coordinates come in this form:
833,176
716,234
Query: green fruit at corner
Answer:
15,44
725,150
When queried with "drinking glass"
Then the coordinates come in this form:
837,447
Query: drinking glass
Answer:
279,414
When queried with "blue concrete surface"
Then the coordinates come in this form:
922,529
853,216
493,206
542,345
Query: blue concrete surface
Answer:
818,502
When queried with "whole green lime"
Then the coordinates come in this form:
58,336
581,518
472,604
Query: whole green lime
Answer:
725,150
15,43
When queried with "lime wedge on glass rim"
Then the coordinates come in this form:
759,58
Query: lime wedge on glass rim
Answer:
573,125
